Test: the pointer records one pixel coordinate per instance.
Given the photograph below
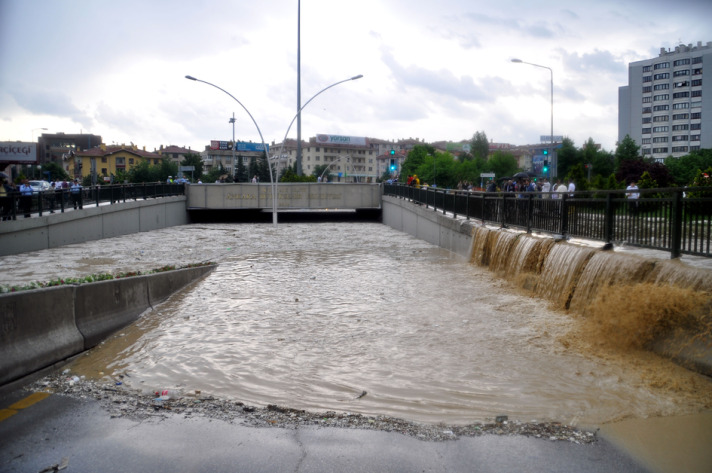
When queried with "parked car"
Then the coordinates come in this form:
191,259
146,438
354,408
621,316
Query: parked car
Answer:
38,186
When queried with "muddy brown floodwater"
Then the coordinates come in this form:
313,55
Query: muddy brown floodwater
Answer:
313,315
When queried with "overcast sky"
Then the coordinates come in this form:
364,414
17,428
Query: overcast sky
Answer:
434,70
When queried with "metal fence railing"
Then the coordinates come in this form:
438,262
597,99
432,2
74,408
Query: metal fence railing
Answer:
678,220
39,203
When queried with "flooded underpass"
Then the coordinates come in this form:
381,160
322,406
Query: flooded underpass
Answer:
365,319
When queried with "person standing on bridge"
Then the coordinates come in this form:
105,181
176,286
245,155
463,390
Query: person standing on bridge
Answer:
26,197
76,193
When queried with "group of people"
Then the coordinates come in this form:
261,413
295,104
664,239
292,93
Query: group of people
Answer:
24,196
546,188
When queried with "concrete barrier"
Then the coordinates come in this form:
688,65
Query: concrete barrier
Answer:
36,329
43,326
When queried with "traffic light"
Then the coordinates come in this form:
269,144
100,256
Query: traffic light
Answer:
546,152
393,152
545,169
393,165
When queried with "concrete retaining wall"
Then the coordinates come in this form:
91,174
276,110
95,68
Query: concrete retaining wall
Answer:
428,225
91,223
41,327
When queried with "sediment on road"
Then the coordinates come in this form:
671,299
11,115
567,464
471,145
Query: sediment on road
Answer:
41,327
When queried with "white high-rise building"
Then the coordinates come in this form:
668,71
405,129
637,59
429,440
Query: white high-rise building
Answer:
667,106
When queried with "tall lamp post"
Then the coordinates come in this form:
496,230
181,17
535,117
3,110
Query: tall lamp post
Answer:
551,142
264,146
232,120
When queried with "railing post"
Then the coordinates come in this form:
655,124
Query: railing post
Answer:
530,212
564,214
609,219
676,230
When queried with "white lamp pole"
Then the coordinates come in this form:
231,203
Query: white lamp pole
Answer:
264,146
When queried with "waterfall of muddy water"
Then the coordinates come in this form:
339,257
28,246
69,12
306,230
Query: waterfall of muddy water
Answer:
312,315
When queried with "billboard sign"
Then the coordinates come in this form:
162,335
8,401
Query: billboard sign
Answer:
241,146
547,138
251,147
341,140
15,152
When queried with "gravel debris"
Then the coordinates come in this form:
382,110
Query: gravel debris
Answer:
120,401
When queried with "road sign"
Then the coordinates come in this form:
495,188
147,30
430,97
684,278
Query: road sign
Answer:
487,174
187,168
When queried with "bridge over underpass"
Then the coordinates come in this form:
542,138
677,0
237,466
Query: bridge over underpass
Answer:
290,196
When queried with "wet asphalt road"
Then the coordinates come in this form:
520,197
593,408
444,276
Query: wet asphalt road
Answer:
58,431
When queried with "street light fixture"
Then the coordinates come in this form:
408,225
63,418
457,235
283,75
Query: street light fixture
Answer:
234,145
281,149
551,143
264,146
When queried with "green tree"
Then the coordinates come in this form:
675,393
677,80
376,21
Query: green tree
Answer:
567,157
479,146
55,170
683,170
502,164
577,174
168,168
241,171
626,150
144,172
195,161
263,172
415,159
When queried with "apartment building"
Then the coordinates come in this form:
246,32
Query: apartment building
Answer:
663,107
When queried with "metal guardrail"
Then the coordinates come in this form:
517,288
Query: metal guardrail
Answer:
678,220
16,205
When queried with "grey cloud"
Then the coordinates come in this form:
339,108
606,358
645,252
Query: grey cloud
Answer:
51,103
597,61
444,83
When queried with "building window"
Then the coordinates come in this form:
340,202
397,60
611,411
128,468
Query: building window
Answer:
696,60
646,110
681,62
681,84
697,72
680,106
680,73
646,119
647,79
696,82
681,116
680,127
664,75
646,68
679,149
680,138
657,98
645,131
696,126
697,93
131,161
647,89
103,171
661,65
647,99
645,141
660,139
660,108
660,150
661,118
103,159
680,95
696,116
661,129
661,86
694,137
